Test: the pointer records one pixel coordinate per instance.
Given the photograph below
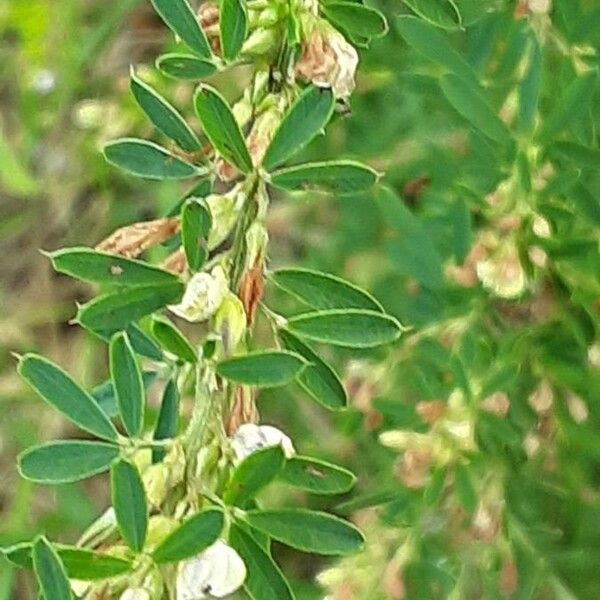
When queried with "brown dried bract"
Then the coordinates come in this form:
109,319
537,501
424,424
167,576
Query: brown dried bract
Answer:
243,411
251,291
132,240
176,262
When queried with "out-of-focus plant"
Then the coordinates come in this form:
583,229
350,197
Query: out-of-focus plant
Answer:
184,521
490,224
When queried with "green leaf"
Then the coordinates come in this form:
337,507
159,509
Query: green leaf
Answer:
221,128
351,328
437,12
434,45
86,565
567,108
339,177
67,461
262,369
129,502
112,312
19,554
172,340
322,290
62,393
196,223
185,66
149,160
164,116
142,343
317,379
233,24
195,534
356,19
166,423
253,474
307,530
529,88
104,394
50,572
576,154
181,19
468,100
128,384
316,476
90,265
306,119
264,581
409,246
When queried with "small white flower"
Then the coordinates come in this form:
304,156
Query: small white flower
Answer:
203,295
503,274
135,594
250,437
215,573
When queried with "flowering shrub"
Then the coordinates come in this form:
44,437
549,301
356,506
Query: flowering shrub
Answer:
184,522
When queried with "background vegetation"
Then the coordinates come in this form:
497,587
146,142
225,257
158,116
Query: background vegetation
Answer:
483,115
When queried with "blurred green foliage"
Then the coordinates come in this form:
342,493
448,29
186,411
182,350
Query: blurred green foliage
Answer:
486,128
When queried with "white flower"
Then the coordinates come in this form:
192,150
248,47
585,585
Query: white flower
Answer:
215,573
135,594
202,297
503,274
250,437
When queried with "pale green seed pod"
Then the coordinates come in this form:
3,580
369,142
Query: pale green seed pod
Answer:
230,323
261,41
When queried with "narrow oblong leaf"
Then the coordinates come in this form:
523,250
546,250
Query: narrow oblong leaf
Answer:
351,328
185,66
316,476
148,160
323,290
113,312
196,223
143,344
164,116
529,88
340,177
302,123
172,340
221,128
49,571
105,395
129,502
309,531
66,461
127,383
434,45
262,369
318,379
566,109
439,13
233,24
356,19
181,19
62,393
255,472
90,265
90,566
166,423
469,102
18,554
195,534
264,581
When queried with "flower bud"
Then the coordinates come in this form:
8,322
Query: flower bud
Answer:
593,356
159,527
250,437
497,403
260,41
537,256
541,227
203,295
542,398
577,408
79,588
230,322
155,484
215,573
539,7
224,211
502,273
